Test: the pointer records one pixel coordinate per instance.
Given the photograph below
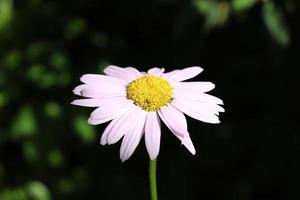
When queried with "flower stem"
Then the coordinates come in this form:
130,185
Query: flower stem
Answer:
152,179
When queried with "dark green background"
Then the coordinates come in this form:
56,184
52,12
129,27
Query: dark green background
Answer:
248,48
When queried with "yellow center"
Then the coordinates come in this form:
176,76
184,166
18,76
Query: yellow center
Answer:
150,92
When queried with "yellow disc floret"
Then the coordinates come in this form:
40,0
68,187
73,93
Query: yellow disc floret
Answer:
150,92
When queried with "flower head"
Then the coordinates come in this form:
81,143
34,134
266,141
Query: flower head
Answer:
135,102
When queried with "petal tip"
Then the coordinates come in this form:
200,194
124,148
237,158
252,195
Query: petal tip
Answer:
92,121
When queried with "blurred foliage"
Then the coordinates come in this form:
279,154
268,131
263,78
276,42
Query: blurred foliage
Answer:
275,22
33,190
6,13
47,149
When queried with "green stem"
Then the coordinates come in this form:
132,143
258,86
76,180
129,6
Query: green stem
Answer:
152,179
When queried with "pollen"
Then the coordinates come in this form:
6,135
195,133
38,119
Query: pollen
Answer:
150,92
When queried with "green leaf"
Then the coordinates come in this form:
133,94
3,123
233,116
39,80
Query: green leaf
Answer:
74,28
35,50
241,5
205,6
53,109
58,60
216,13
4,99
275,23
6,13
38,191
30,151
84,130
55,158
66,185
25,123
35,72
13,59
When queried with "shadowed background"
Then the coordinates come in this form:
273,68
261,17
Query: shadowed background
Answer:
248,48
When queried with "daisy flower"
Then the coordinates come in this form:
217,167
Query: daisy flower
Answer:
135,102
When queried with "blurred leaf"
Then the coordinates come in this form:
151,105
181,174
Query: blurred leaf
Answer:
85,131
35,50
74,28
31,191
48,80
241,5
13,194
25,123
38,191
35,72
63,78
53,109
3,99
216,13
66,185
58,60
55,158
30,151
275,23
13,59
100,39
6,13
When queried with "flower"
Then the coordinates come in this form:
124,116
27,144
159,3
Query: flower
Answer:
135,102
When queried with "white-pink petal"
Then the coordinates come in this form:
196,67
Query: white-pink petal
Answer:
107,130
99,79
185,74
134,71
176,122
195,87
156,71
171,73
90,102
123,125
133,137
120,73
187,142
77,90
189,94
152,134
195,110
103,92
110,110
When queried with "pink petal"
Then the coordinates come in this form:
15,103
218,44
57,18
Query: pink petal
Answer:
152,134
133,137
115,123
106,91
120,73
134,71
187,142
212,108
176,122
185,74
107,130
77,90
98,79
90,102
123,125
110,110
195,110
171,73
195,87
156,71
189,94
